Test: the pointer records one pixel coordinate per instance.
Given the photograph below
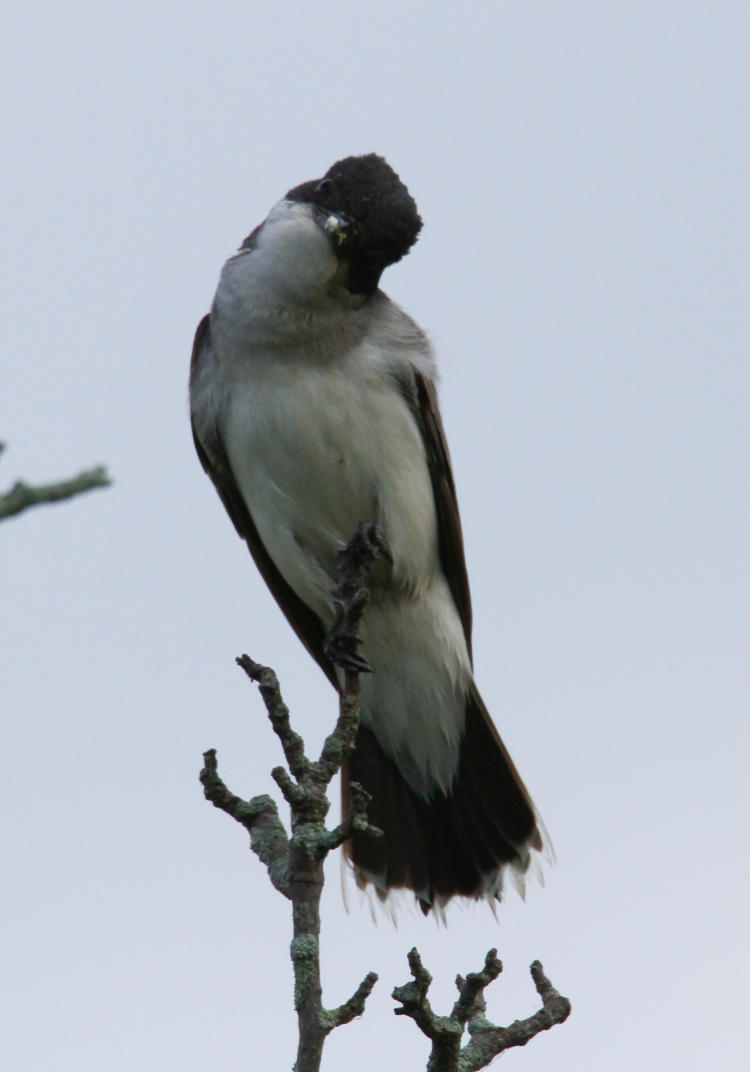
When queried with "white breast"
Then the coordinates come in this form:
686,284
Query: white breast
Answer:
316,450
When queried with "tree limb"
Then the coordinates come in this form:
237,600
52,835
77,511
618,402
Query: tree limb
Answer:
22,496
295,864
486,1039
259,816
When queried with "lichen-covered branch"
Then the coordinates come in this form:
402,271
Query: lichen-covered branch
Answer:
278,714
295,864
259,816
22,496
470,1002
355,823
443,1031
352,1008
486,1040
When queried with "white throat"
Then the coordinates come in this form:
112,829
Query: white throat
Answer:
293,262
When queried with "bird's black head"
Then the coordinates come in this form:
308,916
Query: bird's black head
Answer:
379,217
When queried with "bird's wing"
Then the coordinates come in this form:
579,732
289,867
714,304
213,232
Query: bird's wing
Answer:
213,457
419,391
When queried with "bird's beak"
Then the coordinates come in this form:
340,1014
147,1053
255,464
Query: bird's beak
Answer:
336,227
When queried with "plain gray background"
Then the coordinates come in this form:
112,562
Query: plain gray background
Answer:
582,171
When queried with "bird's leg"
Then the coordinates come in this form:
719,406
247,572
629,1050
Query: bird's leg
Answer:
354,561
366,545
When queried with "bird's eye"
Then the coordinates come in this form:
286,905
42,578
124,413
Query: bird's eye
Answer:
324,187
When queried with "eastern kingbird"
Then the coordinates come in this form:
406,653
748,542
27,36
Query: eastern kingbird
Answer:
314,408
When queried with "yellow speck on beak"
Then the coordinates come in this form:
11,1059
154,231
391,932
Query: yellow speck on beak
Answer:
334,223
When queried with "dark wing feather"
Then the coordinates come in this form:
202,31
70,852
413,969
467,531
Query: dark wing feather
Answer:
213,457
422,398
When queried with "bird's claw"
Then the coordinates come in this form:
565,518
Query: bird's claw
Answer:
367,544
341,650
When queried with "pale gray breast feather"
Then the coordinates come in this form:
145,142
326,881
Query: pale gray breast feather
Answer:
232,351
405,344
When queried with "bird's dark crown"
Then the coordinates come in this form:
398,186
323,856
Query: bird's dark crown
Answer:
382,217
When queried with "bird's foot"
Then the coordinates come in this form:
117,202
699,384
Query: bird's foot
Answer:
341,649
354,563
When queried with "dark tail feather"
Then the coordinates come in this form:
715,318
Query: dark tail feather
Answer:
447,846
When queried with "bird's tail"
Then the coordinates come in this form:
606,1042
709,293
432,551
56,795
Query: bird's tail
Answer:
458,844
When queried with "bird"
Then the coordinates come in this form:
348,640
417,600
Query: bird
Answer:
314,408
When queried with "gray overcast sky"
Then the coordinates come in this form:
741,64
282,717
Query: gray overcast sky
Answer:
582,171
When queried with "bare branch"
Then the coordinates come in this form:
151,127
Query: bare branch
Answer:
259,816
443,1031
486,1040
355,1006
356,823
23,496
296,865
471,1003
292,793
278,713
